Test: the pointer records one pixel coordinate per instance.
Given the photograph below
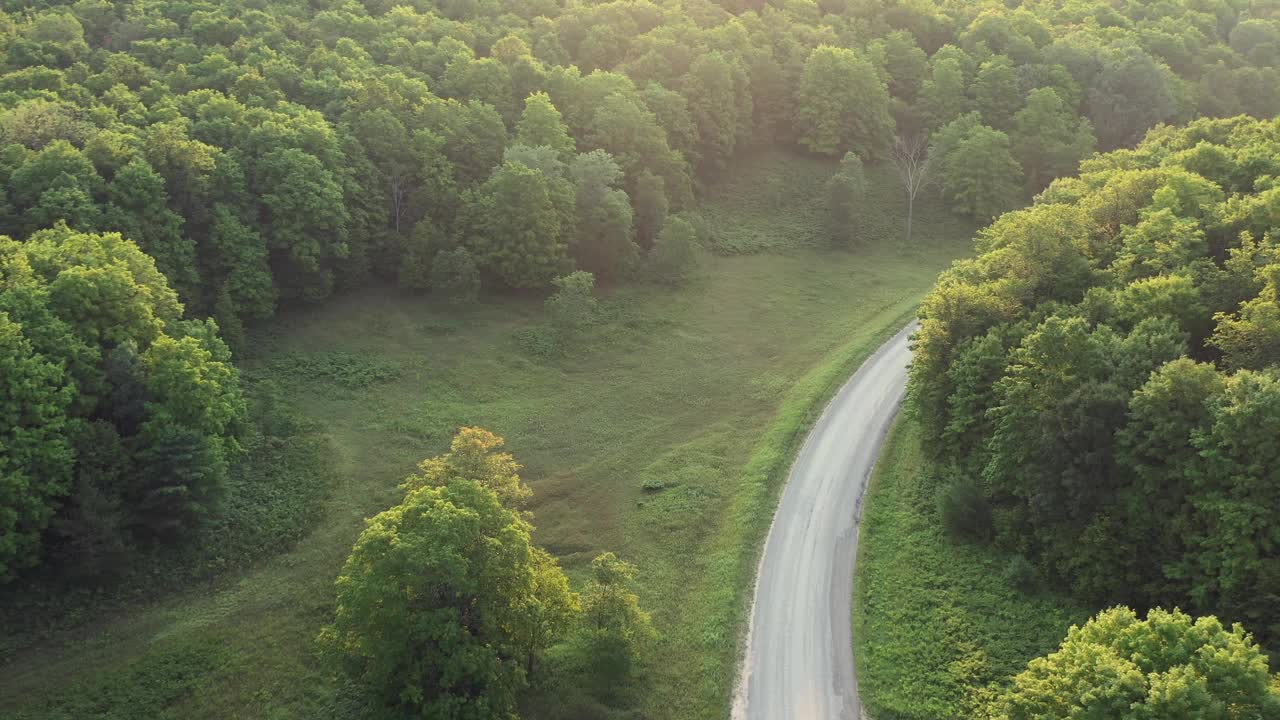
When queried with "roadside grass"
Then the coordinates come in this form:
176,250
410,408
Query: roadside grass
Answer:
936,624
663,434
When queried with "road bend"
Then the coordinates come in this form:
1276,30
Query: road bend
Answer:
799,659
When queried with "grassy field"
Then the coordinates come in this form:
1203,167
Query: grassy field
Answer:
936,622
664,437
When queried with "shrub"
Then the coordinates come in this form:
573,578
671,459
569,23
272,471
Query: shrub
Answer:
540,342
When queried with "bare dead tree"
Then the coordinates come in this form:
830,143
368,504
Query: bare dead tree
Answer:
911,159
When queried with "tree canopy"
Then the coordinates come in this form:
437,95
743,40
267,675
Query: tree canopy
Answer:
98,360
261,153
1168,666
1107,368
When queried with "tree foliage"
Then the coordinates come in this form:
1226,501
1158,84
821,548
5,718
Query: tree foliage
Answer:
673,256
96,356
427,603
976,168
614,626
444,606
1107,369
254,169
1169,665
846,191
843,105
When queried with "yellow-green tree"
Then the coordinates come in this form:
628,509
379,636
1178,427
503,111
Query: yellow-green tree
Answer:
444,603
1169,666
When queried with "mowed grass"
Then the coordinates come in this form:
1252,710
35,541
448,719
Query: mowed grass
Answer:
664,435
936,624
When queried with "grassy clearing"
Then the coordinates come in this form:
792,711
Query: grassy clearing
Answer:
664,436
775,202
935,622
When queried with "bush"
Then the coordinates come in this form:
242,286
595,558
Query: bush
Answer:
455,276
965,512
540,342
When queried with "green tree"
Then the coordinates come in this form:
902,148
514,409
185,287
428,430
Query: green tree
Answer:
89,537
628,131
843,105
615,628
978,173
1050,140
240,259
384,138
65,202
431,604
672,257
474,137
551,614
906,64
709,89
482,80
1228,564
1057,365
1167,666
846,193
131,376
138,210
474,455
37,462
305,215
541,124
195,415
943,95
518,233
651,207
671,110
542,158
58,164
1131,94
605,227
1250,338
573,305
444,604
995,92
424,244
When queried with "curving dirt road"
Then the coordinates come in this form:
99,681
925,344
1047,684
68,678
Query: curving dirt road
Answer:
799,655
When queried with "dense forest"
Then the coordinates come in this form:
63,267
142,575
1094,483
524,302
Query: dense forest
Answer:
1101,379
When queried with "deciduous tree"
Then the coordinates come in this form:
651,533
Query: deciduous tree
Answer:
843,105
1168,666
